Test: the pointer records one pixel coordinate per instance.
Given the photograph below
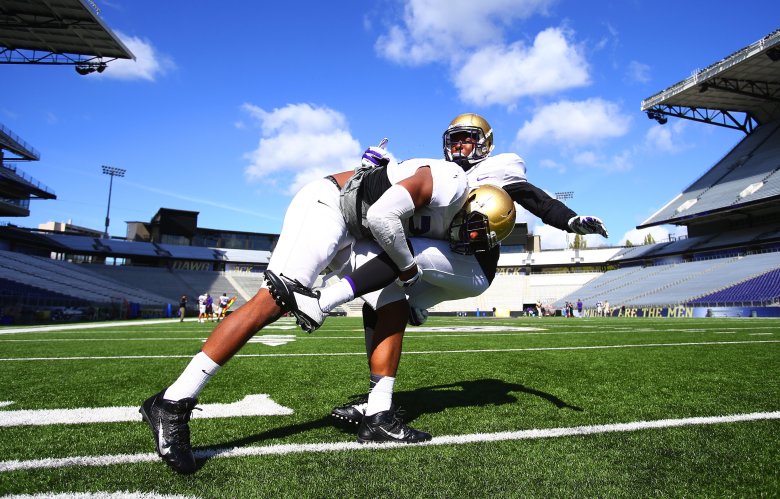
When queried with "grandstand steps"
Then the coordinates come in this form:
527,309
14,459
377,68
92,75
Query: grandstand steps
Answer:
671,284
737,283
238,287
71,280
159,280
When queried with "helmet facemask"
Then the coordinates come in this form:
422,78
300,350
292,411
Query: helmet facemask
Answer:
480,150
470,233
487,218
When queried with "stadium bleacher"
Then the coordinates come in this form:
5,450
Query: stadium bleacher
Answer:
763,289
70,280
673,284
753,160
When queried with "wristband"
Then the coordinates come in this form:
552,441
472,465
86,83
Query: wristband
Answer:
411,281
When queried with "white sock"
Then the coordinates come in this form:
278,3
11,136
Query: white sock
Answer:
335,295
195,376
381,396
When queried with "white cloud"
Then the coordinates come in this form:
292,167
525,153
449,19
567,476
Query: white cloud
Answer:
299,143
571,123
497,74
586,158
638,72
148,63
470,39
430,28
552,165
660,234
620,161
666,138
553,238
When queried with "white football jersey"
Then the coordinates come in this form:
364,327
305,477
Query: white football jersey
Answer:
450,190
202,299
501,169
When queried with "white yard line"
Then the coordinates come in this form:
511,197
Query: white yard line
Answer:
84,325
259,404
282,449
280,324
424,352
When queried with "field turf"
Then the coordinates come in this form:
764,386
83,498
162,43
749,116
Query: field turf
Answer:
531,407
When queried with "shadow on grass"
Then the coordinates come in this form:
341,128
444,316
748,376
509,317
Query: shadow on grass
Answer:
430,399
481,392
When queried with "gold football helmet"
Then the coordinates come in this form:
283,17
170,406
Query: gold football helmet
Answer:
465,126
485,220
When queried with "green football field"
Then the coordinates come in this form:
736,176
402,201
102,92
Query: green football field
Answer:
518,408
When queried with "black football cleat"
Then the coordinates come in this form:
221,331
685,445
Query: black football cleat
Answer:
352,412
169,422
385,426
301,301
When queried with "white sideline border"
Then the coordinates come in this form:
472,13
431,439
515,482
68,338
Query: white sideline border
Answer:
283,449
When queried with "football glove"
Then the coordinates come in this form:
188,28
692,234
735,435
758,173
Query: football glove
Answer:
375,156
417,316
587,225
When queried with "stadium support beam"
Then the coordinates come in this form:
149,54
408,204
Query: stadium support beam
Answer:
18,56
719,117
763,90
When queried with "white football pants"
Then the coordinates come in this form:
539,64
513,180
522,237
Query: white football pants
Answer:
313,235
446,275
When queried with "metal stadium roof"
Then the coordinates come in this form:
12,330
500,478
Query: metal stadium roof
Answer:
747,81
56,32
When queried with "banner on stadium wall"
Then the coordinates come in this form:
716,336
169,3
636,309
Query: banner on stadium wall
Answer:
192,265
683,311
245,267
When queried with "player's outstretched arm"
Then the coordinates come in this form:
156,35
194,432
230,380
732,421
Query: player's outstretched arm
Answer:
386,216
552,211
535,200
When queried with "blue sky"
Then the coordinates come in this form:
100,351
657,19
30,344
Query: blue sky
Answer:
230,107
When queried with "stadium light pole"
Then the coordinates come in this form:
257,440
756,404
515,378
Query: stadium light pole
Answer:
112,172
563,197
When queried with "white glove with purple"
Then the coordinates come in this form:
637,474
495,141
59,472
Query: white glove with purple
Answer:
375,156
587,225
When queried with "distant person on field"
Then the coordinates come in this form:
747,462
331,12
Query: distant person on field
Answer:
202,307
182,307
579,307
209,307
222,305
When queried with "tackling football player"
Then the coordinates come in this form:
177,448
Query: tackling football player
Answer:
447,274
315,234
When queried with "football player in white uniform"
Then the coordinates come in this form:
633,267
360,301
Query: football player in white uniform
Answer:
202,307
387,203
315,234
446,274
